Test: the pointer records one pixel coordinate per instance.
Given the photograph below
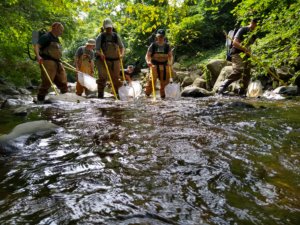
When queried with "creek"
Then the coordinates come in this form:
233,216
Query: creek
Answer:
192,161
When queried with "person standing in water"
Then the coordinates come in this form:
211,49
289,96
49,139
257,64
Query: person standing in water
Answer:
159,57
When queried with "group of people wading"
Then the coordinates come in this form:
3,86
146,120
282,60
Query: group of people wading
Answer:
107,52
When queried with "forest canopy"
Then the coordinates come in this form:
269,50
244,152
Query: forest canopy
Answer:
193,26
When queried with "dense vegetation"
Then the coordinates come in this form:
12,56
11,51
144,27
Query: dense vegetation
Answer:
194,27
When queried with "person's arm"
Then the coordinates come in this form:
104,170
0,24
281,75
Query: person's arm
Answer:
170,56
121,47
78,53
98,49
237,44
148,56
37,53
92,66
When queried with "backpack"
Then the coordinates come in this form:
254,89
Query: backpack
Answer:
36,34
229,42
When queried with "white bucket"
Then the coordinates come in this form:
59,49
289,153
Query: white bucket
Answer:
87,81
255,89
172,90
131,91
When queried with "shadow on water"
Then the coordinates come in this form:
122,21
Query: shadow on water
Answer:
193,161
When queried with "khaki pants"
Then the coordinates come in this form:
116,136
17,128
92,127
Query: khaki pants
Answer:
57,75
114,70
241,69
163,82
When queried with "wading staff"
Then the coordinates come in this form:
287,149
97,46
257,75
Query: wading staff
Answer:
42,65
108,73
153,87
122,67
255,59
170,72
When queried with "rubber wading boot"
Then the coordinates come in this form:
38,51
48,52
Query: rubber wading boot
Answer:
41,97
100,94
224,86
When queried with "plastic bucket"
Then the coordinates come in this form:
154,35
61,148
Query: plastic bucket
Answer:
131,91
172,90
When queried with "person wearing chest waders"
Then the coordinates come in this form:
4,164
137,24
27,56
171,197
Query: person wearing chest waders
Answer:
109,48
84,61
159,57
48,52
240,64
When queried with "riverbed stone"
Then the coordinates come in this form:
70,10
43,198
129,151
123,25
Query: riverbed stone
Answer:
225,72
195,92
187,81
199,82
215,66
287,90
16,139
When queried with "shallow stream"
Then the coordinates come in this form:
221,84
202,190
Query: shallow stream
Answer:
189,162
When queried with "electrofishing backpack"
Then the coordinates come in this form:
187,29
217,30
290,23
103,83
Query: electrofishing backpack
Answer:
229,42
36,34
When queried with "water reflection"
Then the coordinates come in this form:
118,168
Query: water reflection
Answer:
204,161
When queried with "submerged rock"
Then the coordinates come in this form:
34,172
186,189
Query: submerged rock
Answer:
195,92
16,139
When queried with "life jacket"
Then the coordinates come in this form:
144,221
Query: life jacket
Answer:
110,47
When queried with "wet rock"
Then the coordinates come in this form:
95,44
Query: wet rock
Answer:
272,96
8,90
240,104
195,92
199,82
187,81
23,91
21,111
284,90
225,72
67,97
16,139
180,75
9,103
215,67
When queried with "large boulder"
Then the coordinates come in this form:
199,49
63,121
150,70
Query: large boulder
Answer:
199,82
17,138
187,81
215,66
195,92
180,75
284,90
225,72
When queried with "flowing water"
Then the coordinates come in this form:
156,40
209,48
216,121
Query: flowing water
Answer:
193,161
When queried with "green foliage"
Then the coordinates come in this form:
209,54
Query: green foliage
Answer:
278,44
194,28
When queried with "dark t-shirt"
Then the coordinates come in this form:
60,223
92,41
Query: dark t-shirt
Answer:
46,39
240,35
82,50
